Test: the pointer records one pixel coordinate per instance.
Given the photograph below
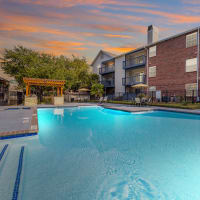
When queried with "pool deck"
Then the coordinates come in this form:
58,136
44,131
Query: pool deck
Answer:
16,121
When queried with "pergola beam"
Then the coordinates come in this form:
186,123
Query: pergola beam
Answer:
44,82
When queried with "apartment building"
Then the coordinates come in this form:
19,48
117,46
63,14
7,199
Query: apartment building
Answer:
173,64
134,66
167,66
9,92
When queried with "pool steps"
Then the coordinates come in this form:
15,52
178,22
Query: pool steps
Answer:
11,168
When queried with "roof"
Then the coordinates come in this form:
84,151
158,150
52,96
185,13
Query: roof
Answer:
159,41
174,36
44,82
111,55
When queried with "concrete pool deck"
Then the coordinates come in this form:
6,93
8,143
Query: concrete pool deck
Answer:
18,121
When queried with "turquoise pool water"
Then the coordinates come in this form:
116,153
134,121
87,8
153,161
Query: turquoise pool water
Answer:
92,153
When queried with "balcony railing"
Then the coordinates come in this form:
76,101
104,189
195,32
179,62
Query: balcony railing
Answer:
133,80
108,83
136,62
105,70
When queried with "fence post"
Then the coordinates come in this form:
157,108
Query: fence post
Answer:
185,95
192,96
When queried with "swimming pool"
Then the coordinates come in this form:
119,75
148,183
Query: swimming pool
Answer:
92,153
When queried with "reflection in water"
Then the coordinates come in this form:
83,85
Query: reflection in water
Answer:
128,188
58,112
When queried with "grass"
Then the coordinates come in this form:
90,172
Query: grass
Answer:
192,106
183,105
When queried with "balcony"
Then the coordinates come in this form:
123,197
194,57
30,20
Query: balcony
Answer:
108,83
129,81
136,62
106,70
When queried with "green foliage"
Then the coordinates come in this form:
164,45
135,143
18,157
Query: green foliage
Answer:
97,90
21,62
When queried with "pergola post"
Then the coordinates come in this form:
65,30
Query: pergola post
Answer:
58,91
61,91
27,90
59,84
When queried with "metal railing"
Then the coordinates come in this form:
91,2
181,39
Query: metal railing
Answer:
138,61
176,96
133,80
108,83
104,70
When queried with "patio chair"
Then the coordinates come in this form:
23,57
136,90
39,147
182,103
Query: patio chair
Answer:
78,99
137,101
144,101
105,99
101,100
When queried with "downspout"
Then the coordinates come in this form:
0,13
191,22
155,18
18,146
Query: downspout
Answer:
147,66
198,66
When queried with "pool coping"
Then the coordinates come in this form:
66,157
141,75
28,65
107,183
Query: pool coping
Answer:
149,109
33,129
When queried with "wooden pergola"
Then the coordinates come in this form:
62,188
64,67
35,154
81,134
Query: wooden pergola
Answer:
59,84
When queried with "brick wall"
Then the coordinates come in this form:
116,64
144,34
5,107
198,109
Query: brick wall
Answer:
170,64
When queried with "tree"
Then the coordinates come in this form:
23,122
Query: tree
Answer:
97,90
22,62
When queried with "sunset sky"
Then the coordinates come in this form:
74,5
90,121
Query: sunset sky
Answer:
83,27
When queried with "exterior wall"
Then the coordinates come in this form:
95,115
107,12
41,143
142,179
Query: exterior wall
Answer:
58,100
170,61
119,74
97,63
30,101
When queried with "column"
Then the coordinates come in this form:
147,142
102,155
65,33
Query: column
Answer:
61,91
27,90
58,91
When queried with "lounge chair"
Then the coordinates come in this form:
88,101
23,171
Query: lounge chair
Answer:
105,99
144,101
101,100
137,101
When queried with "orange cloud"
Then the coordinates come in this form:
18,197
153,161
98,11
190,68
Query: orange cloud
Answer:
194,2
117,36
71,3
117,28
175,18
60,47
36,29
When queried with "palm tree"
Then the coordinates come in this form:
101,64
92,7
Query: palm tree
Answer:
97,90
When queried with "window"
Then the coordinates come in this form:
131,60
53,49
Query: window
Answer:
191,65
152,71
152,51
191,89
191,40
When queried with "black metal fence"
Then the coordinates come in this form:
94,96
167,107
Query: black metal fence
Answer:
190,96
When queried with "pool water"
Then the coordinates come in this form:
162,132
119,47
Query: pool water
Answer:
92,153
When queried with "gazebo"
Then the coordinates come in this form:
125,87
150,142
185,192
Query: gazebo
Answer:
59,84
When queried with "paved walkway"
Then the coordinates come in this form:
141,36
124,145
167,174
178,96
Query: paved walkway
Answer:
132,108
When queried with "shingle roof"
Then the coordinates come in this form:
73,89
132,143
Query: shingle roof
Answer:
111,55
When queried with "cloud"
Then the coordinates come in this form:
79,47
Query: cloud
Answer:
119,28
96,3
117,36
193,2
173,18
36,29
